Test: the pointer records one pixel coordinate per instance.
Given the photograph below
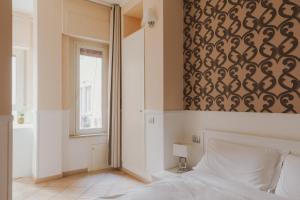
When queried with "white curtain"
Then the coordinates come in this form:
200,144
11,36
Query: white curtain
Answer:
114,89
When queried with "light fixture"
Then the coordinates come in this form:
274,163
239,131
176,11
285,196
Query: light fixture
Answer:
149,17
181,151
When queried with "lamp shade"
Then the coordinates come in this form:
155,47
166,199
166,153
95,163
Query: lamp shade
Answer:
180,150
149,17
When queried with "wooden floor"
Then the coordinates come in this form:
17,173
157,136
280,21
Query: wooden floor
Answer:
83,186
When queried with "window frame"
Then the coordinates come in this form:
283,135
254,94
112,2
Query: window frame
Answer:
96,47
21,65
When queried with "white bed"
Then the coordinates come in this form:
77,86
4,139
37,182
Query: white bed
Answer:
204,185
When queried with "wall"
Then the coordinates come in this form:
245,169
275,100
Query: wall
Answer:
48,102
78,152
163,54
163,81
5,100
173,56
54,151
131,25
86,20
77,147
218,77
22,151
154,58
49,40
283,126
242,56
88,23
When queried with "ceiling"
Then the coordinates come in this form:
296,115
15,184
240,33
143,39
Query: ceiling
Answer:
26,6
115,1
121,2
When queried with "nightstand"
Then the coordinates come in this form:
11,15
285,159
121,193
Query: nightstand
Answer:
169,173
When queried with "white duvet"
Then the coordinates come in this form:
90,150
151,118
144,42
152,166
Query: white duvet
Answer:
196,186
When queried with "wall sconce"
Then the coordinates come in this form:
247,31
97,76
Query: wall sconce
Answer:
149,17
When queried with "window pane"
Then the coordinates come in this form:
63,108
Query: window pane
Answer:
90,90
14,81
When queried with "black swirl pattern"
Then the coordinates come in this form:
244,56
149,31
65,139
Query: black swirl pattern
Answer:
242,55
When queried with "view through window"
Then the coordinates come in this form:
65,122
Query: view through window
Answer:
90,90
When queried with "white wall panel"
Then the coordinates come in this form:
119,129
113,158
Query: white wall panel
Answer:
22,152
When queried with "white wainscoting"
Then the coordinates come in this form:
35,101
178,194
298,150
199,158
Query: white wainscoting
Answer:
22,151
275,125
154,136
179,126
56,152
81,153
48,144
173,133
5,157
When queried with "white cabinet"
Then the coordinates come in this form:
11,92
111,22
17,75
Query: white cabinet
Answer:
133,134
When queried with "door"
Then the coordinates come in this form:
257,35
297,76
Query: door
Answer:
133,137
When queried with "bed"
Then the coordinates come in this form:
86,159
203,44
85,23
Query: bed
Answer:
216,178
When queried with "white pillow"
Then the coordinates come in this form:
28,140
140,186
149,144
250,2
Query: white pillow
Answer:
256,167
289,182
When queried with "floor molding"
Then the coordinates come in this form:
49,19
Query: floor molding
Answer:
134,175
49,178
75,172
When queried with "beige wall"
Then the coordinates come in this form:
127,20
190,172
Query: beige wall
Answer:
163,55
5,56
49,58
86,20
131,25
173,54
154,58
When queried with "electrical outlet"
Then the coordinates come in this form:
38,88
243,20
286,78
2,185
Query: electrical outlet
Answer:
196,139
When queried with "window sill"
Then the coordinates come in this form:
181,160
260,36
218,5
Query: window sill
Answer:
22,126
87,135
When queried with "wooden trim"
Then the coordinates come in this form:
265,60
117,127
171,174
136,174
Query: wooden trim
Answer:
135,176
104,42
108,169
74,172
46,179
6,157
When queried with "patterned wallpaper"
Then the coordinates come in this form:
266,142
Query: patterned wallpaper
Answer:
242,55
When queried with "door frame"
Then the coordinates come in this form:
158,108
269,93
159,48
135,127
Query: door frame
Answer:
6,157
5,108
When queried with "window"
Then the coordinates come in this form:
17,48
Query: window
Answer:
90,91
14,81
21,86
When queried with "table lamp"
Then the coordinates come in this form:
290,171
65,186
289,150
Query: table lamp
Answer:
181,151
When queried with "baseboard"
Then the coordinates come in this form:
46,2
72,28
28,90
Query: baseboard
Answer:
74,172
46,179
80,171
134,175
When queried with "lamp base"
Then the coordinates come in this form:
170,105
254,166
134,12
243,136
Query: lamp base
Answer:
182,166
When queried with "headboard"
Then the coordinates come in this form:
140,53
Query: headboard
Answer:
279,144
